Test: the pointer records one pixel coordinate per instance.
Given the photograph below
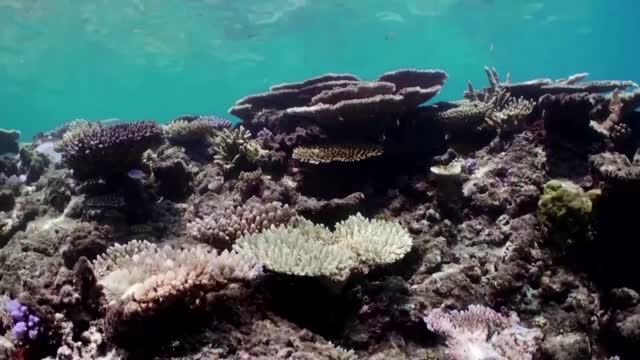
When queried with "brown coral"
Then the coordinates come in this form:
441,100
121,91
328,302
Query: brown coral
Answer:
223,226
336,153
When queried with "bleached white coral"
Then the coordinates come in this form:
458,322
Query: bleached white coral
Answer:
482,333
150,276
304,250
373,241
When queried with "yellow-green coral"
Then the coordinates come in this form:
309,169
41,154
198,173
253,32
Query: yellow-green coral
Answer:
565,209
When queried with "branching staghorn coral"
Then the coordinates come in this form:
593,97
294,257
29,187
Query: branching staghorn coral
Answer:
481,333
512,117
306,249
534,89
141,279
222,227
336,153
234,145
619,105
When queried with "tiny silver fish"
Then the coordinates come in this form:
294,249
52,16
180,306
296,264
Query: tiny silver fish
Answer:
136,174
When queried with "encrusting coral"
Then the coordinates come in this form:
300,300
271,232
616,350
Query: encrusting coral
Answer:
307,249
566,209
336,153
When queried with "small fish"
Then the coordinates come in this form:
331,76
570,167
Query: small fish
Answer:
110,121
136,174
491,48
390,36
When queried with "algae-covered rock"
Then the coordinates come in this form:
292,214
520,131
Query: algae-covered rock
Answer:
9,141
565,209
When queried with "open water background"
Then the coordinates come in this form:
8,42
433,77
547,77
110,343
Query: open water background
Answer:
157,59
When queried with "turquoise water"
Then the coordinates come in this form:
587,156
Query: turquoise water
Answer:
156,59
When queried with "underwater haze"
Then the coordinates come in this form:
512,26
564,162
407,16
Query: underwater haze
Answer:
157,59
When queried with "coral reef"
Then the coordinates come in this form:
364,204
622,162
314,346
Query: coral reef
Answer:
339,219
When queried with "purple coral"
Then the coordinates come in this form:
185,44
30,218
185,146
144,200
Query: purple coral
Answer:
482,333
218,123
109,150
26,325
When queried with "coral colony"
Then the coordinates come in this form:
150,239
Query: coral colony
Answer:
25,324
340,218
